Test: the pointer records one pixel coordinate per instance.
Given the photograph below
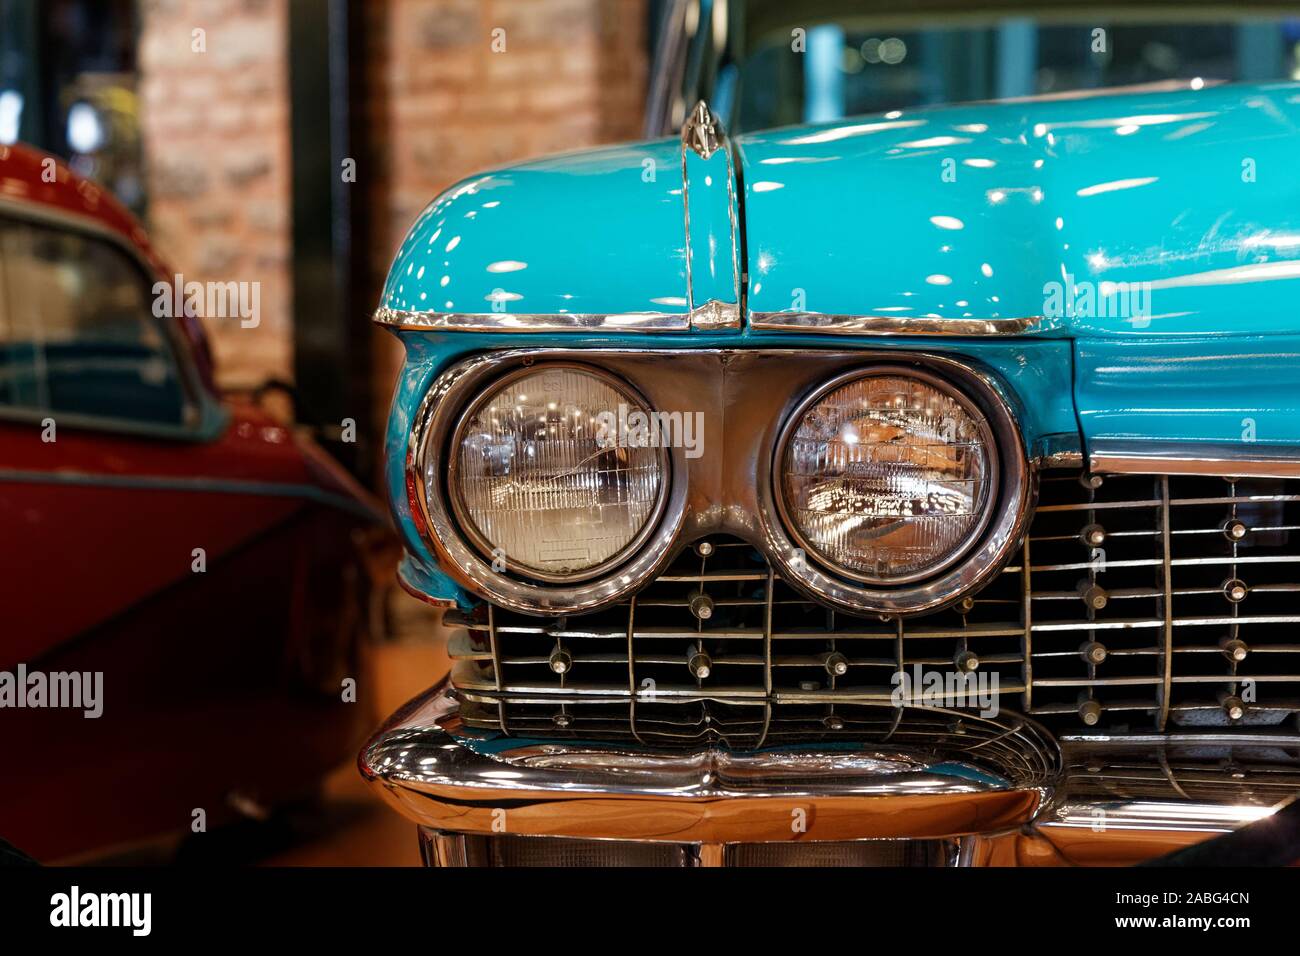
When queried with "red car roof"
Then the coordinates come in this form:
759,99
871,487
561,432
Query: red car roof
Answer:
23,179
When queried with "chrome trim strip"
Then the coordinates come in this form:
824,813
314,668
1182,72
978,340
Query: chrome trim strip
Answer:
1195,458
702,134
733,217
714,315
1057,450
710,315
888,324
686,222
534,321
1206,739
1164,815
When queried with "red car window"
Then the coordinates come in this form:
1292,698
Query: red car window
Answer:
77,331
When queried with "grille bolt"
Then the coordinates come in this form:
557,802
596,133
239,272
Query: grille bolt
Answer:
1233,707
1235,590
704,548
562,720
966,662
967,605
833,722
1090,712
1093,535
837,665
561,661
1234,529
1091,482
1094,652
1235,650
699,664
701,605
1094,595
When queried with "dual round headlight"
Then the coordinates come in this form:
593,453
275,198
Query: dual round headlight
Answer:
543,480
886,477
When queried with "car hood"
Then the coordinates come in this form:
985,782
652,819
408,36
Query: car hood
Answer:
1157,213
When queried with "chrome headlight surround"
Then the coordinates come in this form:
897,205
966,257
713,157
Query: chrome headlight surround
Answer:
430,453
461,511
974,563
989,487
731,493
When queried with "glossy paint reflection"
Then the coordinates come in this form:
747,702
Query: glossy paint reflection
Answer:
981,211
599,232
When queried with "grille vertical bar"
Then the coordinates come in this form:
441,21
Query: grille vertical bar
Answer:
1167,605
1027,620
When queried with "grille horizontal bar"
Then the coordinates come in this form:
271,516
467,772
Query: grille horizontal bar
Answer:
1119,613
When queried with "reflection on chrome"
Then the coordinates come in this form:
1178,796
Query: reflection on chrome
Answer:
934,774
885,476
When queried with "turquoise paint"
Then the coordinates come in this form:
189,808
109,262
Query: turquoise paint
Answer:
1190,390
856,217
860,217
594,232
711,213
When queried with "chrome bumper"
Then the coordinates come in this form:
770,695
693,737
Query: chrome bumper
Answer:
447,777
984,784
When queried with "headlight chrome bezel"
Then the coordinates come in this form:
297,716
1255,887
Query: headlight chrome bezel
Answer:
469,528
428,446
990,550
989,490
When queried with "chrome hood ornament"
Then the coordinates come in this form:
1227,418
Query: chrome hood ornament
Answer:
701,131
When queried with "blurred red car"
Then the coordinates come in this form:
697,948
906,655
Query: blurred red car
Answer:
207,562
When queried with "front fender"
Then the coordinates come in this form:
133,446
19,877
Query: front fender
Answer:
593,233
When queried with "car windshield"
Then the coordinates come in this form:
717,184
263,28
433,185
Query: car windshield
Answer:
826,59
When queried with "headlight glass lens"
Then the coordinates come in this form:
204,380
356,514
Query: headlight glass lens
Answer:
542,479
888,477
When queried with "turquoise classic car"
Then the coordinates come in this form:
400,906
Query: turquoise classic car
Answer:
917,487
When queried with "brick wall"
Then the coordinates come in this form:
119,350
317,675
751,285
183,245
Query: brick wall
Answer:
444,104
438,104
215,128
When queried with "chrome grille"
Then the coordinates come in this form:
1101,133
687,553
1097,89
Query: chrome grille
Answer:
1133,565
1248,774
1167,623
